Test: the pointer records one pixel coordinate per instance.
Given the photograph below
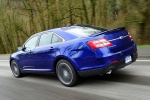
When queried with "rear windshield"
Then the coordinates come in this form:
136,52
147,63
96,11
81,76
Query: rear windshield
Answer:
80,31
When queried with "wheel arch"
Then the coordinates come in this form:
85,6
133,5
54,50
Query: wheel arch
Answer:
67,59
11,61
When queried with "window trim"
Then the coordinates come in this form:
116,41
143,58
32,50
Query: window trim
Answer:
39,37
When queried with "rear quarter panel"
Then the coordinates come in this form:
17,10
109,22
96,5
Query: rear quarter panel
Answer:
81,55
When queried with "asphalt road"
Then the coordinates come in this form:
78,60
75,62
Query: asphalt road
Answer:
130,83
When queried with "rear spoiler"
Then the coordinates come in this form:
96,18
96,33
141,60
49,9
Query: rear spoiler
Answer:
115,29
111,30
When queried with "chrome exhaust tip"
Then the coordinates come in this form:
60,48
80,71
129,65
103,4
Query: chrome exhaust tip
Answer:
109,71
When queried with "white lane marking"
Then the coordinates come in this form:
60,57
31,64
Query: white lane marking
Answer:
136,60
4,60
143,60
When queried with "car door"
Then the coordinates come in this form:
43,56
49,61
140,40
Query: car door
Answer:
27,57
46,51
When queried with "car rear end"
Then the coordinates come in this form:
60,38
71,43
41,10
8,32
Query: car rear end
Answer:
112,50
115,48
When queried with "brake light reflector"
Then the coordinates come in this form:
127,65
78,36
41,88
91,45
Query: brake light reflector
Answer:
130,36
113,62
99,43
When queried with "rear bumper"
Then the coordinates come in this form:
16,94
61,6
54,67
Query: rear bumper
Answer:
115,66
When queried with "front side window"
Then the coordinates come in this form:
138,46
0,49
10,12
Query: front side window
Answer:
30,44
45,39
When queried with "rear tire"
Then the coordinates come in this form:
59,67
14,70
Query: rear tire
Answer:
15,69
66,73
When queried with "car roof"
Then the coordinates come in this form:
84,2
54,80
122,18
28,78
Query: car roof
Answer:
61,31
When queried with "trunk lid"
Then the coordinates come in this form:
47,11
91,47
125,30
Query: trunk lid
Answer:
119,38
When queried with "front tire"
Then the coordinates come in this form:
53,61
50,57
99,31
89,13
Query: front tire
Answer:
15,69
66,73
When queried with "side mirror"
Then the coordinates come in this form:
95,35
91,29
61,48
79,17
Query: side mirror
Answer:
19,48
23,48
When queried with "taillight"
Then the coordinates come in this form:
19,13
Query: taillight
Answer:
99,43
130,36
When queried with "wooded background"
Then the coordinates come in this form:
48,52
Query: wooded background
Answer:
19,19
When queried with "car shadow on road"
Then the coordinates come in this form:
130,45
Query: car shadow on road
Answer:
42,76
121,76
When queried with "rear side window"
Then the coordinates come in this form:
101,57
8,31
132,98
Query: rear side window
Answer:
80,31
56,39
45,39
49,38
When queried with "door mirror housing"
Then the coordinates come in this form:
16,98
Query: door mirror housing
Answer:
19,48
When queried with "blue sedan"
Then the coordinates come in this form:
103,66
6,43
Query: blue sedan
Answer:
75,51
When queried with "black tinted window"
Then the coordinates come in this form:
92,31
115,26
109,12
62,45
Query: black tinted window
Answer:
45,39
56,39
31,43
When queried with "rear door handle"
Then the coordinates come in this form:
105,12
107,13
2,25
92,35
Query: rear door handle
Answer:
30,51
51,48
